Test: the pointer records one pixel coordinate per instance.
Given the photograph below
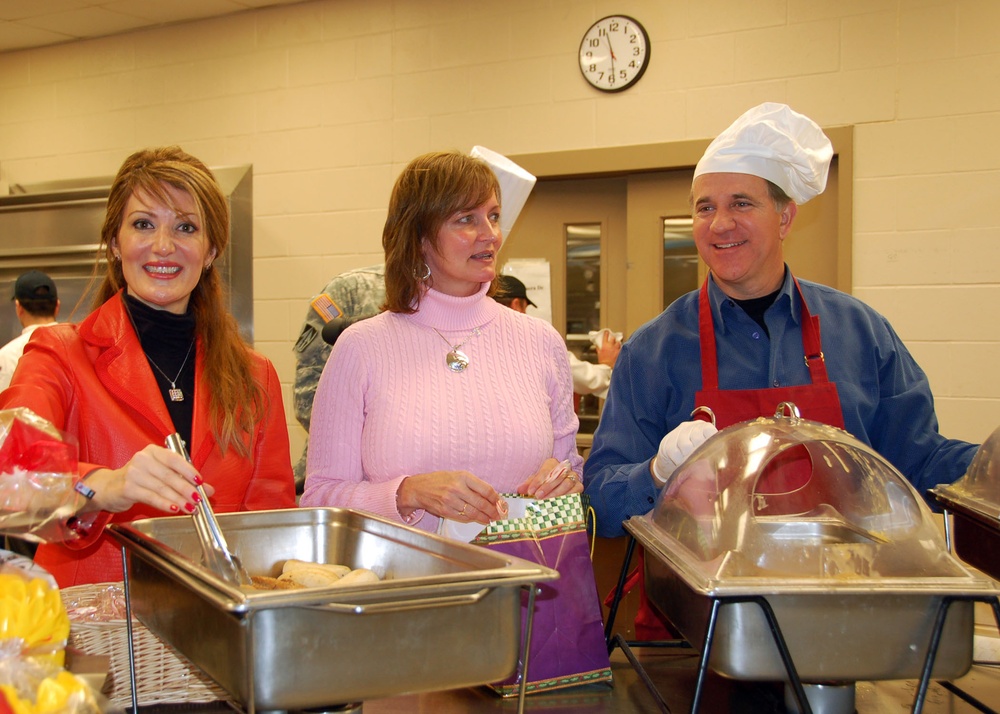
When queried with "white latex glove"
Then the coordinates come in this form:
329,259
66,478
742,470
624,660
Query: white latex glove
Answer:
678,444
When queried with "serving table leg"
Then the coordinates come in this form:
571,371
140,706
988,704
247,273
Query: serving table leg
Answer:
925,678
128,627
525,648
717,604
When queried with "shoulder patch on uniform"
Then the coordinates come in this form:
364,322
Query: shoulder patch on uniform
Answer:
305,339
326,307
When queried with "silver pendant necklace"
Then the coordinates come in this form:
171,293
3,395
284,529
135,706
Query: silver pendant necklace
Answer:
176,394
457,360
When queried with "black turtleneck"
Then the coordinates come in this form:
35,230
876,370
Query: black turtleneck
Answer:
166,339
756,307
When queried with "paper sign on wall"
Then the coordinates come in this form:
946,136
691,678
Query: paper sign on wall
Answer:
534,273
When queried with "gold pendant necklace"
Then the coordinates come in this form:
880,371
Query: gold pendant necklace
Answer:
457,360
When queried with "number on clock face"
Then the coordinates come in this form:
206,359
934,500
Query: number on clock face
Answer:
614,53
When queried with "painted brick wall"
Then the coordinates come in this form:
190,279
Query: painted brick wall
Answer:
328,99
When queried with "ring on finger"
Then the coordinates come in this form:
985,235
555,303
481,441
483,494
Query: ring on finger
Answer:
571,477
462,512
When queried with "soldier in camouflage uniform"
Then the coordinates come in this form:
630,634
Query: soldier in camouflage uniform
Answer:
354,295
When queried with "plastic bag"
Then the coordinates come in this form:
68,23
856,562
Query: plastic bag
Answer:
32,686
38,475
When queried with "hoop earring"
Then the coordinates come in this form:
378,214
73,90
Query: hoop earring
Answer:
426,275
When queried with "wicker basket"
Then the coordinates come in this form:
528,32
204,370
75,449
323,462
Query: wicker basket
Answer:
162,675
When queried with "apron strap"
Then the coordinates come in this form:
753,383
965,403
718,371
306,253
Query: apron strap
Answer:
706,335
812,346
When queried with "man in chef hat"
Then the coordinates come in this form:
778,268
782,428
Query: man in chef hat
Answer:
753,336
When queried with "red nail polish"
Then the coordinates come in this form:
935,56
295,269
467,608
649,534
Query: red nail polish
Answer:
174,508
198,480
189,507
195,497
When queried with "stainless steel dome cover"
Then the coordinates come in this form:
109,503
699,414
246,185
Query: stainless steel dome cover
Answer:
787,503
979,489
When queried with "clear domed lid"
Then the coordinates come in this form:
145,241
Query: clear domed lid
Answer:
979,489
785,497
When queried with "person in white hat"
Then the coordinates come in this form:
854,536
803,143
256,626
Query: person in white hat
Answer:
848,368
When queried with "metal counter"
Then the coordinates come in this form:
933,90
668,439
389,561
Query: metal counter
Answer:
674,675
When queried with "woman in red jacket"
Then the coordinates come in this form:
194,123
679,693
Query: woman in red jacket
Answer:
159,354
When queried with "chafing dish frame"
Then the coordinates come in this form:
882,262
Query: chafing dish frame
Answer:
857,606
973,532
794,680
155,572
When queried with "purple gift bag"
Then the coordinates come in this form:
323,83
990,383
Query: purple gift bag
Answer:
567,645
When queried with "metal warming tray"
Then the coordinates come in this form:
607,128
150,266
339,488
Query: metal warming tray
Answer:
975,502
439,602
836,540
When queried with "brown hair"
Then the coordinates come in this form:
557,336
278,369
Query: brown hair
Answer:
778,195
430,189
236,401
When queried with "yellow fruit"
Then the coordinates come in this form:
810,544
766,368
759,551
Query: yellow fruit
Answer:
34,613
59,693
16,704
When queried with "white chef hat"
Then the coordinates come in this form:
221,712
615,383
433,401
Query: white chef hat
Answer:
515,185
776,143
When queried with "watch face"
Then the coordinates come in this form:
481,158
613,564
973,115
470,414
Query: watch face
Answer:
614,53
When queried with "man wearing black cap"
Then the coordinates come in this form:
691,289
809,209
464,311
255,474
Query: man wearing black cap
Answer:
588,378
37,304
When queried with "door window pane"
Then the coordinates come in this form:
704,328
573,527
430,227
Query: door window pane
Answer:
583,306
680,258
583,278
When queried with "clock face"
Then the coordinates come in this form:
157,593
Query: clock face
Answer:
614,53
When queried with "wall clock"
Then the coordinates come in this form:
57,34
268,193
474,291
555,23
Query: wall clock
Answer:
614,53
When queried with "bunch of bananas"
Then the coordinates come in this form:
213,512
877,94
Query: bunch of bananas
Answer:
34,613
57,694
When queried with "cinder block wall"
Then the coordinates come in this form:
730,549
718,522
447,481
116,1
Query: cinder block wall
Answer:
328,99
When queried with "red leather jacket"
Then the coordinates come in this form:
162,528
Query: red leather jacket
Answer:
92,381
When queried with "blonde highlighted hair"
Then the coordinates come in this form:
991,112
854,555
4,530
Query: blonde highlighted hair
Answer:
236,400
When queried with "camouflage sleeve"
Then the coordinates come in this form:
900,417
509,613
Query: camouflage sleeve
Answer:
353,295
311,353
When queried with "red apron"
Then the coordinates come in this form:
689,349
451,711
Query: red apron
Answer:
817,401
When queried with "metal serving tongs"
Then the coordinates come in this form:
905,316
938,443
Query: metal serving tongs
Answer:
218,557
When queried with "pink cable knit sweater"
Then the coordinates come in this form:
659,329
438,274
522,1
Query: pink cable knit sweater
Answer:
387,405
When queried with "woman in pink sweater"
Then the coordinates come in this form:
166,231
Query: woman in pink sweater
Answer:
446,399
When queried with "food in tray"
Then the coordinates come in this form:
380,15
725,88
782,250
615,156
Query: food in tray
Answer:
299,574
312,575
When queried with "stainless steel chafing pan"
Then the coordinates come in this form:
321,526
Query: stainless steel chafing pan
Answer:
438,602
840,545
975,502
